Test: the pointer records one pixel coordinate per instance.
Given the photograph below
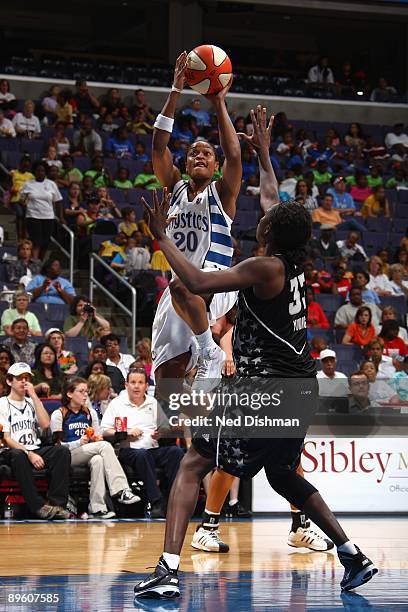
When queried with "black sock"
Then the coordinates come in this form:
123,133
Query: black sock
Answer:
210,520
298,520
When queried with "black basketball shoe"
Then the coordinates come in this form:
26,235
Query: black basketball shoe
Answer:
162,583
358,569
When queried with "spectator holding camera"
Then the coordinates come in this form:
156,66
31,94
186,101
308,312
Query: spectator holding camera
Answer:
83,319
50,287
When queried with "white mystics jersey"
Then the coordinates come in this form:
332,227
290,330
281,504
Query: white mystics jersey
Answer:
201,229
19,420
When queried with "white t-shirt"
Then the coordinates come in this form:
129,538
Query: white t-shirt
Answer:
29,124
386,368
332,387
7,128
40,198
396,289
124,364
20,421
7,97
145,417
392,139
379,283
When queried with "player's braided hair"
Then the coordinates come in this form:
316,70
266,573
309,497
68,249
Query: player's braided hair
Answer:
291,230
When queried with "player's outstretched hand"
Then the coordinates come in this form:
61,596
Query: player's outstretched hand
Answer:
220,96
261,136
158,219
179,78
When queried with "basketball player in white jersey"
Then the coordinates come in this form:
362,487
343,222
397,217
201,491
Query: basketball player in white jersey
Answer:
200,217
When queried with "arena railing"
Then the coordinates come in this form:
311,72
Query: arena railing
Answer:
94,282
69,254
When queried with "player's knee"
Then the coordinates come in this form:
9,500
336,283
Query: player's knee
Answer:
292,487
195,464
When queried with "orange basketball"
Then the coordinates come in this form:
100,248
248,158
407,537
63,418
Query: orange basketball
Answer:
208,69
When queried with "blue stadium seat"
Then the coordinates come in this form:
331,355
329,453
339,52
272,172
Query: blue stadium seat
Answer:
134,166
378,224
78,346
399,302
403,196
111,165
329,302
346,352
119,196
10,249
347,367
327,334
247,202
401,210
36,148
51,404
82,163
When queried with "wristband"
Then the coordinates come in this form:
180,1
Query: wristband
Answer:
164,123
174,88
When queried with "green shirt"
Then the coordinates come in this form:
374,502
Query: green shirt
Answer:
73,176
88,329
100,181
11,314
374,182
320,178
142,179
122,184
392,182
54,383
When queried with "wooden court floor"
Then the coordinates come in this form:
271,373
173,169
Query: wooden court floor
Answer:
94,565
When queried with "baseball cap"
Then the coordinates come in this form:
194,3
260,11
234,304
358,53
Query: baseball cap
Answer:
327,353
51,331
19,368
338,179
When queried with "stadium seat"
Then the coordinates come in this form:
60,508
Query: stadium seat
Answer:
348,352
329,302
79,346
403,196
378,224
399,302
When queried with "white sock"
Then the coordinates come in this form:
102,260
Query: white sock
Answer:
173,561
348,547
205,340
232,502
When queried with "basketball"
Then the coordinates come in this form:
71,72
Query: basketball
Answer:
208,69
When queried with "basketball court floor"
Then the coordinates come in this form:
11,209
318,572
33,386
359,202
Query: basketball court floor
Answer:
79,566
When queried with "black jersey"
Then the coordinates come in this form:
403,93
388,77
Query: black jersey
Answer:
270,336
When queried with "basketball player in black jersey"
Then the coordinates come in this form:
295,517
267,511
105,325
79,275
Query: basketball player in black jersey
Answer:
271,310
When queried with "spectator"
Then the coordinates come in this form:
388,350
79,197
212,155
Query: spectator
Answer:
141,449
345,315
147,179
317,345
380,392
97,365
100,393
86,222
350,248
138,124
83,319
390,314
383,92
341,280
374,178
101,176
305,191
288,185
141,104
47,378
107,207
63,110
360,191
49,103
321,73
19,178
195,110
119,146
20,346
40,196
122,361
22,269
66,360
398,285
326,215
84,101
73,205
398,180
383,363
6,126
49,287
144,352
51,158
60,140
378,280
136,257
109,248
128,225
401,257
328,374
79,431
20,417
322,174
362,280
68,173
8,100
397,142
394,347
342,200
141,154
376,204
87,141
6,359
315,313
399,381
123,181
354,136
361,332
325,246
111,103
26,123
359,401
21,301
384,255
107,124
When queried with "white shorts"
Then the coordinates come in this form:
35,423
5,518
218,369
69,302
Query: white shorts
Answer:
171,336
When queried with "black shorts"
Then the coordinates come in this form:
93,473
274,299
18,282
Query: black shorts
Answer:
39,231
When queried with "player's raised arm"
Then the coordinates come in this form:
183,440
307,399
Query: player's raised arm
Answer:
229,184
261,140
162,158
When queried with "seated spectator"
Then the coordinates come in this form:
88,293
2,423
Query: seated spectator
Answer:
360,191
107,124
138,124
109,248
390,314
317,345
253,187
97,365
60,140
101,176
128,225
79,431
383,363
141,104
22,269
159,262
20,346
8,100
136,257
119,146
361,332
144,353
399,381
321,73
315,313
380,393
47,377
326,215
73,205
141,154
195,110
84,102
21,414
141,449
51,157
305,191
86,221
107,207
83,319
362,280
49,103
6,126
87,141
401,257
21,301
147,179
100,393
42,201
384,255
345,315
341,279
111,102
354,136
50,287
325,246
68,173
383,92
350,248
144,226
379,281
398,180
394,347
322,174
328,374
66,360
6,359
359,401
342,200
397,284
376,204
63,110
26,123
288,185
123,181
374,178
114,356
397,140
